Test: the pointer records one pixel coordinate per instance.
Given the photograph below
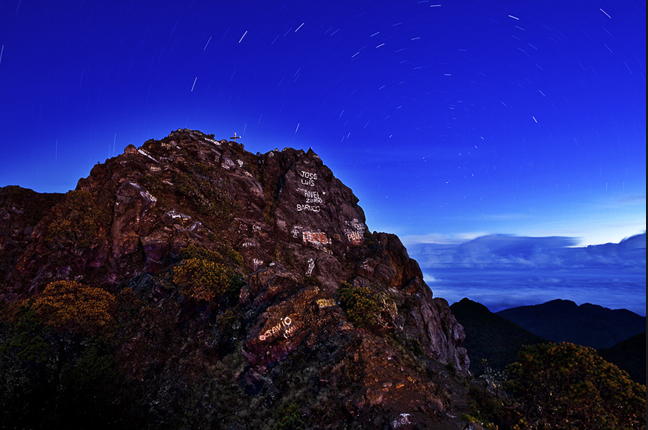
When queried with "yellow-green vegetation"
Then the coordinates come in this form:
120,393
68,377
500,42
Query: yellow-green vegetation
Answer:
55,379
566,386
207,275
208,198
78,221
206,169
193,251
202,279
226,320
235,256
478,420
68,305
289,418
25,336
151,182
361,304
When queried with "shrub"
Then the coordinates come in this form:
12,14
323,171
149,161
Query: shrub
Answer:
235,257
202,279
289,418
78,222
361,304
68,305
235,284
207,197
193,251
25,337
53,379
566,386
226,320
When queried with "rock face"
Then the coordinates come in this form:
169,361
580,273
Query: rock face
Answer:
20,211
294,233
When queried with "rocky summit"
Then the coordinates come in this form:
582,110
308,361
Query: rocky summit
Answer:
246,291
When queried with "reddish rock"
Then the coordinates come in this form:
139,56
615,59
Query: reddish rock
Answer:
294,232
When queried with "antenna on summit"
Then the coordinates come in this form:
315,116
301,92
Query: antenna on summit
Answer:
235,137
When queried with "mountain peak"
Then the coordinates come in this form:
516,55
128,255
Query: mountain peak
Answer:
261,258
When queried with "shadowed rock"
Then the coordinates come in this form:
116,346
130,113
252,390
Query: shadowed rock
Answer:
294,232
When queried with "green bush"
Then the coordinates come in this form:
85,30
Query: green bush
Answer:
235,257
193,251
68,305
289,418
53,379
26,336
78,222
208,198
202,279
361,304
235,284
566,386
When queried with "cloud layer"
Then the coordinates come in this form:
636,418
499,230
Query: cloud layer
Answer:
514,252
508,271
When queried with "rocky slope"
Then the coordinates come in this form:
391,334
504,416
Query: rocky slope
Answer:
378,352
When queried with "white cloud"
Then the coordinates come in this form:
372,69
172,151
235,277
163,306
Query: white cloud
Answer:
506,251
441,238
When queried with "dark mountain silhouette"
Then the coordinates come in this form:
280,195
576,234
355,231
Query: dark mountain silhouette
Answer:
490,337
587,324
498,341
189,283
629,355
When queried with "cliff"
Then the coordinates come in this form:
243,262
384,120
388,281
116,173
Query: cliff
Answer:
316,310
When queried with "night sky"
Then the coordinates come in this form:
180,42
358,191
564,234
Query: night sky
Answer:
449,120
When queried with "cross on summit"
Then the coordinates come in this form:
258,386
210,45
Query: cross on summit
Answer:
235,137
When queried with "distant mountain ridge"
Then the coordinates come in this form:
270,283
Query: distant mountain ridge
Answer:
497,340
490,337
629,355
589,325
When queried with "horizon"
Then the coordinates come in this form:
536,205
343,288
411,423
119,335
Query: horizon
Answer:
426,238
431,238
449,119
548,301
499,259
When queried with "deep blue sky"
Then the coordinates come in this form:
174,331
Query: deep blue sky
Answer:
449,120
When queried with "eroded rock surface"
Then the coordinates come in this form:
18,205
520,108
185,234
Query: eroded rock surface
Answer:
296,233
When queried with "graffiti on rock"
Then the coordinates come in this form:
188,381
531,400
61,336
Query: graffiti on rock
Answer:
325,303
315,237
313,198
311,267
285,326
354,231
307,208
